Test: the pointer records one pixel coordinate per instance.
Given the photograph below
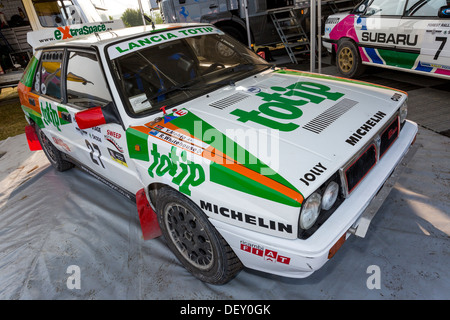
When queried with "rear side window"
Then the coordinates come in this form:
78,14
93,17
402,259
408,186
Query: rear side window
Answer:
85,83
48,76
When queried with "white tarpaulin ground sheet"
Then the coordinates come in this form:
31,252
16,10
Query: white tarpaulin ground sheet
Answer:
50,221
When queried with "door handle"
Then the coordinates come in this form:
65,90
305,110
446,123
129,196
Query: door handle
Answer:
66,116
213,6
408,29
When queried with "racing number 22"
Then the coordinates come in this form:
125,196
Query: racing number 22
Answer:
95,153
443,41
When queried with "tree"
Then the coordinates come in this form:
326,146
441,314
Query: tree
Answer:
132,17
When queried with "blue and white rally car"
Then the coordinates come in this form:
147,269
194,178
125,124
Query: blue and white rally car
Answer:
410,35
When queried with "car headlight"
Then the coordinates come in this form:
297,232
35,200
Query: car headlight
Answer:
330,195
310,211
403,112
319,206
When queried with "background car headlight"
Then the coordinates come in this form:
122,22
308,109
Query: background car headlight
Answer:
310,211
330,195
403,112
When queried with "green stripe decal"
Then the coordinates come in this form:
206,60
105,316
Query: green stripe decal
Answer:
398,59
231,179
195,126
227,177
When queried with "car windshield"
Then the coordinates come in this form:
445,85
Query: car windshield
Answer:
168,68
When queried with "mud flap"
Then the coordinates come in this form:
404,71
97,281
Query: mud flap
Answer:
32,138
147,217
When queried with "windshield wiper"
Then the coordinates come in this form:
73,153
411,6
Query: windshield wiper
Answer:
221,82
187,86
250,66
178,87
240,67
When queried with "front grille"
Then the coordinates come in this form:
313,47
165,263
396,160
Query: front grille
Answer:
355,170
360,166
358,169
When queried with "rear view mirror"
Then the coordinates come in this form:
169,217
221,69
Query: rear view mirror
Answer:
444,12
90,118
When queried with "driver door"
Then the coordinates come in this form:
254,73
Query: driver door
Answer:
421,20
66,91
102,148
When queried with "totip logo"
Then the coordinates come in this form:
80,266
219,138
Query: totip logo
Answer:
62,33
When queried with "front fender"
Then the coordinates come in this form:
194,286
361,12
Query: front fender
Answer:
346,29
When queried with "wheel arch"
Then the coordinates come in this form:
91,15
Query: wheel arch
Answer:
359,67
152,192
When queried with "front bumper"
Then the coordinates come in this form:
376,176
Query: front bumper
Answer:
300,258
327,44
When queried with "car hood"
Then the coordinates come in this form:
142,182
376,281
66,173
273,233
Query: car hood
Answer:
282,130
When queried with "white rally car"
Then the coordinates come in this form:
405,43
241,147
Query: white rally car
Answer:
236,162
403,35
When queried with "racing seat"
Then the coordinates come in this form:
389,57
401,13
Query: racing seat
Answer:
185,66
146,80
177,62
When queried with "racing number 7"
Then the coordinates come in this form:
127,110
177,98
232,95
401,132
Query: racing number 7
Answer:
93,147
443,42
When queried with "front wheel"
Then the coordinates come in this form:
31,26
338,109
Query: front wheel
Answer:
194,240
348,60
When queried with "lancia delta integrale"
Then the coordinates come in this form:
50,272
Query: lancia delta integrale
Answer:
235,162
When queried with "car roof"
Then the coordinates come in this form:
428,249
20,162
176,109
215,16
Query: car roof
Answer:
101,39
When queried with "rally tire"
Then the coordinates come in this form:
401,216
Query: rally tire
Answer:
194,240
348,59
54,156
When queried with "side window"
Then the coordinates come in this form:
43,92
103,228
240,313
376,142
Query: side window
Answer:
386,8
48,77
86,86
424,8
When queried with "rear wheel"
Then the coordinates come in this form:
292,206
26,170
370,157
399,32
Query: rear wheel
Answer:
194,240
348,60
53,154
